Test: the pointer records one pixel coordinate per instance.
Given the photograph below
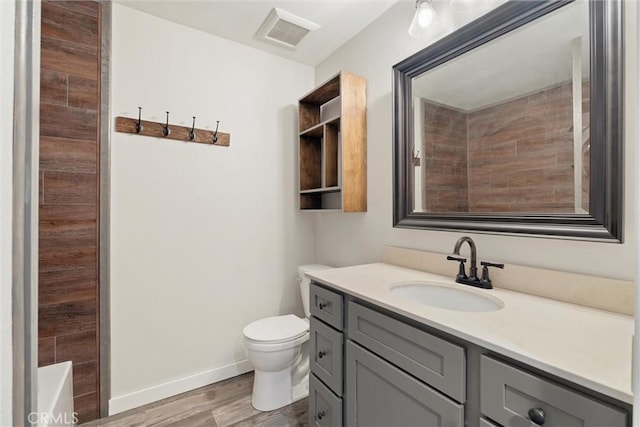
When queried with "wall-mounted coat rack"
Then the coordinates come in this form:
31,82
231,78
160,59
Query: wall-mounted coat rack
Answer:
166,130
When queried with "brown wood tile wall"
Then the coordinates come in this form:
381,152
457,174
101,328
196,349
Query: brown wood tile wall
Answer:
521,154
68,229
445,151
513,157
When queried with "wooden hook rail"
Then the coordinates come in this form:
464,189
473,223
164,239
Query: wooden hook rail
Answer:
180,133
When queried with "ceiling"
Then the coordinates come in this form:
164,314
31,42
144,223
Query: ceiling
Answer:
239,21
534,57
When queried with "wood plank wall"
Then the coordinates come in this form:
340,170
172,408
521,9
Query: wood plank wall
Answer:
68,229
445,152
514,157
521,154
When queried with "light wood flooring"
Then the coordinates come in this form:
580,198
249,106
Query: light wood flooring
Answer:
227,403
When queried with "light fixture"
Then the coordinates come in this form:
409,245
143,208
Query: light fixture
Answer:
426,21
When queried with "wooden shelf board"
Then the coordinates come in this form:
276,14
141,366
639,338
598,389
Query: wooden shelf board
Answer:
316,130
324,93
321,210
322,190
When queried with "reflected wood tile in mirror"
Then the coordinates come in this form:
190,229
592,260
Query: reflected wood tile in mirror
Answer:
517,156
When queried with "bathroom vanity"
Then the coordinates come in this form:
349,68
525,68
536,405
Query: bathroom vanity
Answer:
381,357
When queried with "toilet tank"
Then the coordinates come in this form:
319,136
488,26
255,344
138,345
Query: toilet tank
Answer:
305,281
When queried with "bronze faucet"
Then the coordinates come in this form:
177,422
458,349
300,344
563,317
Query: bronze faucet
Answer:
472,279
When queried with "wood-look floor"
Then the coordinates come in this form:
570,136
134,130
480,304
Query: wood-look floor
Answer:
226,403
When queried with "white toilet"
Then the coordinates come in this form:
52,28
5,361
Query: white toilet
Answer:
277,349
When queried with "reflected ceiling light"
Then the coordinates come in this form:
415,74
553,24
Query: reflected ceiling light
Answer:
425,21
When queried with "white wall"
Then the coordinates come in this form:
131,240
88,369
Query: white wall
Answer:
359,238
204,239
7,28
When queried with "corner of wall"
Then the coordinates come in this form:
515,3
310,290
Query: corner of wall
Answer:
7,14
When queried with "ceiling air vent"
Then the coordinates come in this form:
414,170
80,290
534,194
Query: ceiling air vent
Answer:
284,28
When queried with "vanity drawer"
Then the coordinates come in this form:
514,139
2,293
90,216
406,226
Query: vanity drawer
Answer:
325,409
437,362
326,305
325,354
378,393
509,393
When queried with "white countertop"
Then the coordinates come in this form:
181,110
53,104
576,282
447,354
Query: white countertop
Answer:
589,347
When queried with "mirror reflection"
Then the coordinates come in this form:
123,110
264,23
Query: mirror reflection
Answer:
504,128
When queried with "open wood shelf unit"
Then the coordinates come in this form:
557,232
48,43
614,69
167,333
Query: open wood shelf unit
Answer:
333,146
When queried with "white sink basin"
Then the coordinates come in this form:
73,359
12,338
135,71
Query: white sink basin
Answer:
443,296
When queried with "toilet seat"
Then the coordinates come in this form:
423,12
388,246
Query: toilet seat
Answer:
268,347
276,330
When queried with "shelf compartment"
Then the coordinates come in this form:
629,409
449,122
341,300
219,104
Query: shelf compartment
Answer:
310,201
331,155
320,201
310,163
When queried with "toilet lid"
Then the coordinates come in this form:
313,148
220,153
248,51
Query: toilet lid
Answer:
276,329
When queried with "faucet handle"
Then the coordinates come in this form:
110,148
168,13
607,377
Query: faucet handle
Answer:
485,272
461,260
491,264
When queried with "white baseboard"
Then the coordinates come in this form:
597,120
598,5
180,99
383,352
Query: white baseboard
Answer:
152,394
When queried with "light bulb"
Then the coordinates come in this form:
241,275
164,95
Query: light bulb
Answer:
425,21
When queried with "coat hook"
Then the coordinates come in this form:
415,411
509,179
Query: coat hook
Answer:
193,127
139,124
214,138
165,129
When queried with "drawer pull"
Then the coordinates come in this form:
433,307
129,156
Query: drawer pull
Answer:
320,415
322,305
537,416
322,354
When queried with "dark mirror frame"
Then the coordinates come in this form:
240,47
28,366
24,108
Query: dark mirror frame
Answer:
604,221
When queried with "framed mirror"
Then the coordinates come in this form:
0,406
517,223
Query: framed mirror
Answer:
513,124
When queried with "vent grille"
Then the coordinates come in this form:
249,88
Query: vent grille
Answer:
284,28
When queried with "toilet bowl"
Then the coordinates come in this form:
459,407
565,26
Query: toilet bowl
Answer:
277,350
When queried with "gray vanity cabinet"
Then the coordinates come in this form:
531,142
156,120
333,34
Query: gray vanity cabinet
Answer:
372,367
380,394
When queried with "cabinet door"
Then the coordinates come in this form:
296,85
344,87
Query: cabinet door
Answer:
379,394
432,360
514,397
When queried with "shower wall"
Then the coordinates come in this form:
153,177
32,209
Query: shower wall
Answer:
445,159
68,233
521,154
516,156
